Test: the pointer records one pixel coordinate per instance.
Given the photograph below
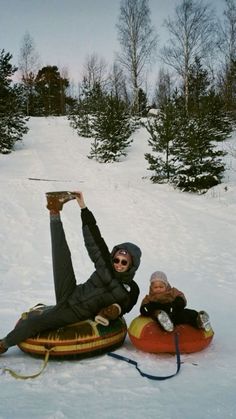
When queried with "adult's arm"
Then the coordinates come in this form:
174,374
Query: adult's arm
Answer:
94,242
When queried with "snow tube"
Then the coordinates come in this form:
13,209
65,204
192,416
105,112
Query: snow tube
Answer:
78,340
148,336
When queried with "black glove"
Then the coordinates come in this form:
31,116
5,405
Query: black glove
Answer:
144,309
149,308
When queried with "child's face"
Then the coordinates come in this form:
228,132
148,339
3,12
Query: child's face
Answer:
158,286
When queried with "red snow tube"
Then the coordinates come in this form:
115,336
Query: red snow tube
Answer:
148,336
78,340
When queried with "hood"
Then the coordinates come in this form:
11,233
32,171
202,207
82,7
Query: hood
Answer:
135,253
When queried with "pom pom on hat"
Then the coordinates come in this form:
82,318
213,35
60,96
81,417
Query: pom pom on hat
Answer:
159,276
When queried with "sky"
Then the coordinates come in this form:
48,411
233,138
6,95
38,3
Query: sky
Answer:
189,237
65,32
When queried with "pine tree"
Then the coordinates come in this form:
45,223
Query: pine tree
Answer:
12,121
199,164
142,103
112,129
162,129
186,141
51,91
82,113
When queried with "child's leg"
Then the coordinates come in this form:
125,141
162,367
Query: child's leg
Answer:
164,320
63,272
185,316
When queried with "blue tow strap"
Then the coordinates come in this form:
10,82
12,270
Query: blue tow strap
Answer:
143,374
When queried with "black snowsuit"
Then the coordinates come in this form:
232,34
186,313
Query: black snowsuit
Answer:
79,302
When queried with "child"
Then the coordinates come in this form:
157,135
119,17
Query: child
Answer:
167,305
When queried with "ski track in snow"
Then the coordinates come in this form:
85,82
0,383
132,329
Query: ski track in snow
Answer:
191,238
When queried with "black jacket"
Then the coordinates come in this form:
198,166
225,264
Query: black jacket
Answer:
105,286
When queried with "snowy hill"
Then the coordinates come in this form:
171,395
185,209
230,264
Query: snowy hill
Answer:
191,238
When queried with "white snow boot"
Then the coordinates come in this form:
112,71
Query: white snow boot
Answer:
203,321
165,321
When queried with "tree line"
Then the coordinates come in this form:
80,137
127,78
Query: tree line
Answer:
195,93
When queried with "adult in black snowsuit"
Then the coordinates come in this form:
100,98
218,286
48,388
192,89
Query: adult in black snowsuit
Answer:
110,286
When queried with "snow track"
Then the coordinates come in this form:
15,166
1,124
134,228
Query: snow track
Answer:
191,238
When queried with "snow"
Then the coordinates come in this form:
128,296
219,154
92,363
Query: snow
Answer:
190,237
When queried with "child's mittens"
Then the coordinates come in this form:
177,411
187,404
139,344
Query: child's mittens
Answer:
148,309
144,309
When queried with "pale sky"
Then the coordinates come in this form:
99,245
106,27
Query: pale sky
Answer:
65,32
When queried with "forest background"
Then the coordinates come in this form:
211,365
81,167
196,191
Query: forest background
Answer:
193,96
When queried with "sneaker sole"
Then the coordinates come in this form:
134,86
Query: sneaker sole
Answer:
206,325
165,322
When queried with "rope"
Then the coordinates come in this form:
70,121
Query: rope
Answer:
152,377
113,355
25,377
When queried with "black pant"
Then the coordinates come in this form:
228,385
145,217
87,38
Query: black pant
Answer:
185,316
64,283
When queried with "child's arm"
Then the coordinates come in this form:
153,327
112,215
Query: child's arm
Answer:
149,308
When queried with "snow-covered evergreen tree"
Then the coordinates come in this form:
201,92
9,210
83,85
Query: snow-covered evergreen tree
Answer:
82,113
186,141
199,164
162,130
112,129
12,121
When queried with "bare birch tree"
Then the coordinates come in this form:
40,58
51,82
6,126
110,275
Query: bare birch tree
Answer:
191,35
164,88
117,83
227,32
138,42
95,70
28,66
227,48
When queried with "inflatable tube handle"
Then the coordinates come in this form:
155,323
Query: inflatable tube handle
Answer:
26,377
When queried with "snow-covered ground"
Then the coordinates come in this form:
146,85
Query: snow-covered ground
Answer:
192,238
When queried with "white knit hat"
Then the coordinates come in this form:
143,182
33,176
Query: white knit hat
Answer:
159,276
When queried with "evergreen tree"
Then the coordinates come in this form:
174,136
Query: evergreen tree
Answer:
12,121
51,91
112,129
142,103
199,165
83,112
186,141
162,129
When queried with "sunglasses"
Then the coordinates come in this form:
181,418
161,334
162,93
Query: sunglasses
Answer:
123,262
